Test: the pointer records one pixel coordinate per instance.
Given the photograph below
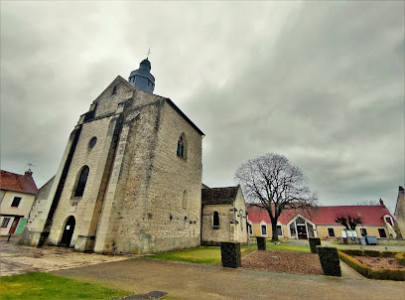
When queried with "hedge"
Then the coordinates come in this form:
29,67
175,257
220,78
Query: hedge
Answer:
371,253
400,258
398,275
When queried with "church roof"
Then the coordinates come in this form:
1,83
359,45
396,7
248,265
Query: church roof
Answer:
18,183
224,195
371,215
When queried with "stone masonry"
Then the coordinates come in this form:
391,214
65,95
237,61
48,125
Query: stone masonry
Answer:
139,196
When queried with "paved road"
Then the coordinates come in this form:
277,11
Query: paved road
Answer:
194,281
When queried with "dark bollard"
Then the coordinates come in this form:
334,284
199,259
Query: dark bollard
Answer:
261,243
313,242
329,261
230,255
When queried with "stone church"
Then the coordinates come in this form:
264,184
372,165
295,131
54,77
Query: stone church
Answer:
130,177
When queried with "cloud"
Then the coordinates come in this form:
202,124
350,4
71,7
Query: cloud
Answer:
320,82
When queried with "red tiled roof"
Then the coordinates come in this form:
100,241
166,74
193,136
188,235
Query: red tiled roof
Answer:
17,183
325,215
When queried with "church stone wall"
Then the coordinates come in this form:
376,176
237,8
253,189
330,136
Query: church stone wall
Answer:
108,102
83,208
146,212
175,187
139,196
240,229
224,233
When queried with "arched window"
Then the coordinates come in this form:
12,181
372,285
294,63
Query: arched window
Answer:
181,146
215,222
81,183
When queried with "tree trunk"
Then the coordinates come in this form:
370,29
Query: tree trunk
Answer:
274,234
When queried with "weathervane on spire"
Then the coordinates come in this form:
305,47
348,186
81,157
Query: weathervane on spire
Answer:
147,55
30,165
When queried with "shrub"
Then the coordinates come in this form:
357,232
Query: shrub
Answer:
329,259
371,253
313,242
398,275
387,253
230,255
261,243
354,263
353,252
400,258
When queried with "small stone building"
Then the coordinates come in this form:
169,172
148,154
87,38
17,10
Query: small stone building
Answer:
17,194
223,215
130,177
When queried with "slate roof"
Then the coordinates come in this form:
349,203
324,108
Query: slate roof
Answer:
225,195
17,183
371,215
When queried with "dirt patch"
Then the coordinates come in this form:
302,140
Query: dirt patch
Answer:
283,261
378,263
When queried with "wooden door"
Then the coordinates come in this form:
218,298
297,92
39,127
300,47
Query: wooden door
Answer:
14,225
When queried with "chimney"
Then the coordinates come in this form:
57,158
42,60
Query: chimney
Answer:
381,202
28,173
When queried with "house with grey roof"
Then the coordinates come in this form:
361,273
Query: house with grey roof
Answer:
223,216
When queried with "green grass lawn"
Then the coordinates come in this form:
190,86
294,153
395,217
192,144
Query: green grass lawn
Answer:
47,286
211,255
282,247
200,255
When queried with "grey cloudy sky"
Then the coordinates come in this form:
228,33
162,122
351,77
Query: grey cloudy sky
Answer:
320,82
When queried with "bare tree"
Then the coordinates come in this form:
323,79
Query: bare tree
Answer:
273,183
350,222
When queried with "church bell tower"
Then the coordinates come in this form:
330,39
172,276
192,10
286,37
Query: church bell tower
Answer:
142,78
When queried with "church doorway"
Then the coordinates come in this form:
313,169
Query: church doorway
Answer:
68,232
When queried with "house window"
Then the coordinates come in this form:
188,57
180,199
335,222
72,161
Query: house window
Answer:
363,231
5,222
81,183
250,229
279,230
264,230
181,147
382,233
114,90
331,232
16,202
215,223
